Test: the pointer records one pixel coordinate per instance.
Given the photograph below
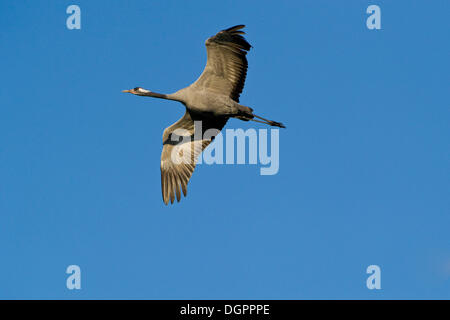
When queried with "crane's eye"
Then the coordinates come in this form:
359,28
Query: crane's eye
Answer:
136,89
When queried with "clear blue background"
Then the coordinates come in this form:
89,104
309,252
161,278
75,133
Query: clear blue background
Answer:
364,161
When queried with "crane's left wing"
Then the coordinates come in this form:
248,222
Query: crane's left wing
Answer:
226,66
182,144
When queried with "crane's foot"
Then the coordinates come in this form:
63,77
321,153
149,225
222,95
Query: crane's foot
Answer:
276,124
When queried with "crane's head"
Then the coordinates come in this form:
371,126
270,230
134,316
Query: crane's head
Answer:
138,91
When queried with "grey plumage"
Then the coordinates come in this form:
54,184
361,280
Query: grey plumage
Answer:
226,66
211,101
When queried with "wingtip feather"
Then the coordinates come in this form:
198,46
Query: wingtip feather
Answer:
235,28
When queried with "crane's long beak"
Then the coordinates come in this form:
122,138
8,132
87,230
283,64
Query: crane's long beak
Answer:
127,91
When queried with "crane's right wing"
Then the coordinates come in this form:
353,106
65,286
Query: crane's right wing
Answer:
226,66
182,144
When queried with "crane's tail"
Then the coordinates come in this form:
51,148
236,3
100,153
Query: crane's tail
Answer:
246,114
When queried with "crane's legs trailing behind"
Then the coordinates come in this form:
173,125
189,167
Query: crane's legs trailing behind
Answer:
246,114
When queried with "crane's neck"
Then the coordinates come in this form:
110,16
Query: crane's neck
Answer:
173,96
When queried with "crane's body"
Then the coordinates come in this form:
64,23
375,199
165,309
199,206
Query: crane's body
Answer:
203,101
212,100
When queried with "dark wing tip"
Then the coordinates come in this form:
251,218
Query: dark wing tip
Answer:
235,28
231,35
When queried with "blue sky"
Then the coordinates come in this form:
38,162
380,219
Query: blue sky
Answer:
364,161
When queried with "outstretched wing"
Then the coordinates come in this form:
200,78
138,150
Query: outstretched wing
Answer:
226,67
182,143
